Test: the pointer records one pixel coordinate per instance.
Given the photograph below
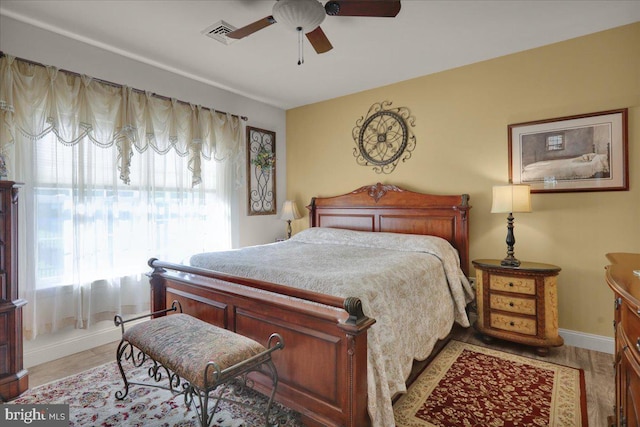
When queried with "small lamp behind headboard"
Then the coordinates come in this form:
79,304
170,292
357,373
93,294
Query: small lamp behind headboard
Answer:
289,213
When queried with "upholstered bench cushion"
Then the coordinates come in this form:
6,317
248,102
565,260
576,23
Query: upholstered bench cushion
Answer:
185,345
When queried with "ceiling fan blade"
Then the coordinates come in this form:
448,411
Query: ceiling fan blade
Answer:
379,8
319,40
251,28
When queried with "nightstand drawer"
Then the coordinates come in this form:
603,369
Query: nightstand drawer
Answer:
520,285
513,324
512,304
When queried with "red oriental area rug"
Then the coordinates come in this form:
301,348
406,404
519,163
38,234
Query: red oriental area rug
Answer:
471,386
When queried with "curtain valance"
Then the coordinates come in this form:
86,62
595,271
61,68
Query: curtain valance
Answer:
36,100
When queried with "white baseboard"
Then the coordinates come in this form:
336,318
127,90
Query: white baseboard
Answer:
51,347
588,341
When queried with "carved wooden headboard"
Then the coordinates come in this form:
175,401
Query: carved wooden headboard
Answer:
388,208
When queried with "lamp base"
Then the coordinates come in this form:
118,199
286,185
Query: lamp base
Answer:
510,261
288,229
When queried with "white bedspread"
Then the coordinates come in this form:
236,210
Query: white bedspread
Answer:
581,167
412,285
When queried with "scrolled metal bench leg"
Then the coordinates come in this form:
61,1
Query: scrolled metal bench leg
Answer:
274,378
122,347
221,390
205,418
199,399
275,343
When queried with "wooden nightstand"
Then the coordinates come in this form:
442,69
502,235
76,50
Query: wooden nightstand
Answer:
518,304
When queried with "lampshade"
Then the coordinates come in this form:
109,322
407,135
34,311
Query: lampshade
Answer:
511,198
294,14
289,211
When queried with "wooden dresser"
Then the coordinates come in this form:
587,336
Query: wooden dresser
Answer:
626,288
518,304
14,379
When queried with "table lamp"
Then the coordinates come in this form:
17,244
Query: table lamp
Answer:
510,199
289,213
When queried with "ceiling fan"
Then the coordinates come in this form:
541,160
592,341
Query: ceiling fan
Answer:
305,17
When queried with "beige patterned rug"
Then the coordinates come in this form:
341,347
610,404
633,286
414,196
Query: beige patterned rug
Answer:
467,385
90,396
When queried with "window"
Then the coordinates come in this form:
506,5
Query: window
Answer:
90,226
555,142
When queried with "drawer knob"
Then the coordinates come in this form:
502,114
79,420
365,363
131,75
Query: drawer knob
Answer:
513,324
511,284
511,304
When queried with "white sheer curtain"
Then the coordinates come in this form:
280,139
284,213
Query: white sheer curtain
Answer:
111,178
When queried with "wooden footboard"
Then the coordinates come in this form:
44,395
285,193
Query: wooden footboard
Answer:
322,371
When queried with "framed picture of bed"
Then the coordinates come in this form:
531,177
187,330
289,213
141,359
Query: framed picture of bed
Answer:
586,152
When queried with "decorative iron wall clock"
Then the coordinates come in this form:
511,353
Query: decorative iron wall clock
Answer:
261,171
383,137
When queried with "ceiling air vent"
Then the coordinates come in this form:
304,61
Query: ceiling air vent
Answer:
219,31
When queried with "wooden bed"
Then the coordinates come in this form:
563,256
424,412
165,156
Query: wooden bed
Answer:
323,369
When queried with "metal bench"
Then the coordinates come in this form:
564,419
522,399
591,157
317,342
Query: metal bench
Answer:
197,358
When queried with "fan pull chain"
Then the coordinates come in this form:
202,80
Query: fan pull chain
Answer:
300,46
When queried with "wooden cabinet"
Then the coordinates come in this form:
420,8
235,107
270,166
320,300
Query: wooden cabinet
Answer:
626,288
13,377
518,304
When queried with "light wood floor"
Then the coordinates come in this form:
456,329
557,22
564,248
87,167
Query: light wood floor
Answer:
598,368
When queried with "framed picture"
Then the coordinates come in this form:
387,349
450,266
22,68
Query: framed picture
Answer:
261,171
578,153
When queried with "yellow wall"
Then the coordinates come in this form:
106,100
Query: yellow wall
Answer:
461,131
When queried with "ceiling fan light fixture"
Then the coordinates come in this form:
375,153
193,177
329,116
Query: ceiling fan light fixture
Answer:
295,14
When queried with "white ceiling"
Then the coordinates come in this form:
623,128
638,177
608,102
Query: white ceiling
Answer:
427,36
